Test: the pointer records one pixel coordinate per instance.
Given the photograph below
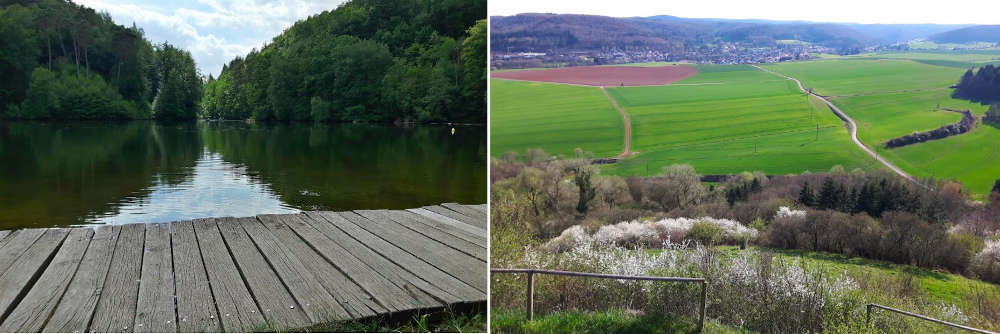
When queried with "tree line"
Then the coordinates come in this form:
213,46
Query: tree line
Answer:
367,60
983,85
872,214
62,60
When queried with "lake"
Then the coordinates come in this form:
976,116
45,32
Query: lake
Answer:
71,174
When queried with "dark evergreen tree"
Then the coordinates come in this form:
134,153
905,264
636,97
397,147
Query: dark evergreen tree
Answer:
827,195
806,195
587,190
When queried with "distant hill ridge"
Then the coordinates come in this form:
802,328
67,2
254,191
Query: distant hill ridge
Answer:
541,31
983,33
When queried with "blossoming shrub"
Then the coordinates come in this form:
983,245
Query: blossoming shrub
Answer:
986,263
653,234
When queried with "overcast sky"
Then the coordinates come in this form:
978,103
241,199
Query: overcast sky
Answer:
215,31
859,11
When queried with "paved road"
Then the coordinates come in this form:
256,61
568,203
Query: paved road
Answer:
628,125
852,126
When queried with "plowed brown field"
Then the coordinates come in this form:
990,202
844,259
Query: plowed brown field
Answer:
607,76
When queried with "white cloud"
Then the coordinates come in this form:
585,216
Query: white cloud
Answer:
214,31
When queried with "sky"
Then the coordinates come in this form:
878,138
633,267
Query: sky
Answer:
856,11
214,31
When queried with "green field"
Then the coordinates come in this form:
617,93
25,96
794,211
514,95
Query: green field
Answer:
953,58
892,98
555,117
725,119
972,158
885,116
852,77
732,118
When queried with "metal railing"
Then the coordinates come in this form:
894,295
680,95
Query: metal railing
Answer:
871,307
530,303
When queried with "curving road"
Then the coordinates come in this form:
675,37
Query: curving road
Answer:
628,125
852,126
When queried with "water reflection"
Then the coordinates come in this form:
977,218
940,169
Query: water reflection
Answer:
84,173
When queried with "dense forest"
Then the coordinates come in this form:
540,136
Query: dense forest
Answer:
367,60
981,86
60,60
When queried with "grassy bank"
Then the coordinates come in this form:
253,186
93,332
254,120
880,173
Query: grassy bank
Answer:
612,321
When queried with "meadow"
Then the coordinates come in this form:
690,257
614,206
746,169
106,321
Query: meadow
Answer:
554,117
834,78
892,98
732,118
725,119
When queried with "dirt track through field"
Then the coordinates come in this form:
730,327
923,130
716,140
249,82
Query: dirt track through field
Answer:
628,124
851,125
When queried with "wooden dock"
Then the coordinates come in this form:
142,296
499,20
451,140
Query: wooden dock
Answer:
241,274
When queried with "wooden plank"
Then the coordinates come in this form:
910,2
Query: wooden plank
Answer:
155,307
41,300
195,305
445,227
468,269
453,223
465,210
116,309
463,267
390,285
78,303
315,301
15,282
478,207
443,286
16,244
238,310
457,216
464,246
273,299
348,294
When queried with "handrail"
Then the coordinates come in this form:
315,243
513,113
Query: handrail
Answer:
530,303
922,317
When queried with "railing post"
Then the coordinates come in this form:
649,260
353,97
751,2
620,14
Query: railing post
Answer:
868,316
704,300
531,295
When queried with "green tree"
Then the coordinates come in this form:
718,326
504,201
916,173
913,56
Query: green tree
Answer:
18,52
180,84
582,179
806,196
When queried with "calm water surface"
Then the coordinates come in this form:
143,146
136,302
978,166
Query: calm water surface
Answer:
92,173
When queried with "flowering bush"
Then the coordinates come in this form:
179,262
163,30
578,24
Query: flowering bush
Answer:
751,288
986,263
651,234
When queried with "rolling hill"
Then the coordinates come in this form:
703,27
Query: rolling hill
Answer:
983,33
547,32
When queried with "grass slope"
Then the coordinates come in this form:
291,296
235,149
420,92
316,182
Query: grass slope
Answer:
610,321
849,77
892,98
555,117
732,118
